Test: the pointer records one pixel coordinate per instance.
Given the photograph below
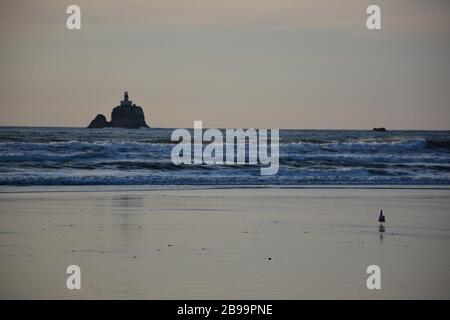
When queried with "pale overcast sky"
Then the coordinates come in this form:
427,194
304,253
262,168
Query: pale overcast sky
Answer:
230,63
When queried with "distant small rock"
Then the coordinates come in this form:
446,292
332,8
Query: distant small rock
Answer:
99,122
379,129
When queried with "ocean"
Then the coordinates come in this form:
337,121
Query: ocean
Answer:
32,156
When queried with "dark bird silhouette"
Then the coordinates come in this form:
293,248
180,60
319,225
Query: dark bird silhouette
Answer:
381,219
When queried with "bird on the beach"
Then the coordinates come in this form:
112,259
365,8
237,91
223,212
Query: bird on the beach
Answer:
381,219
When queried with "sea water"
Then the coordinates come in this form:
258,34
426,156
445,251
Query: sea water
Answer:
31,156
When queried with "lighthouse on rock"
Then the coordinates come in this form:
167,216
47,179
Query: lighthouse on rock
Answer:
126,115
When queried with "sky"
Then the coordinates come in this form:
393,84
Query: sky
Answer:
308,64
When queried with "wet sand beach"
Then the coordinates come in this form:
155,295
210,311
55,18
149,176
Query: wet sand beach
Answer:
225,243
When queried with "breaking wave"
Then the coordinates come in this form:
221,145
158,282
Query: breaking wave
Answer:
69,156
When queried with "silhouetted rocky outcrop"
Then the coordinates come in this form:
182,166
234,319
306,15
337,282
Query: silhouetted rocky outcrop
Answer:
126,115
99,122
379,129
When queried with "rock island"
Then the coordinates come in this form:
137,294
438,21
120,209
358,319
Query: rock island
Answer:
126,115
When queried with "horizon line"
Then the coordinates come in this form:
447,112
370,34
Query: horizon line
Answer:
151,127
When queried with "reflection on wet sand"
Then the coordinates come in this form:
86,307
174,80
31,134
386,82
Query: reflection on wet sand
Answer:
234,243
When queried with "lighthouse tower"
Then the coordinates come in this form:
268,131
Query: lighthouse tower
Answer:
125,102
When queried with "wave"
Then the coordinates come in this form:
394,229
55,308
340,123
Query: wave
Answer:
445,144
307,178
49,156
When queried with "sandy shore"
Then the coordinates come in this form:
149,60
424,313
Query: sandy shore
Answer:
225,243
